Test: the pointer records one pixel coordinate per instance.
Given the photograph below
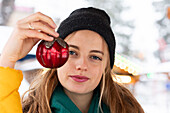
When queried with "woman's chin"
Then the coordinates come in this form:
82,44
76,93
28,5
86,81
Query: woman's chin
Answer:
79,90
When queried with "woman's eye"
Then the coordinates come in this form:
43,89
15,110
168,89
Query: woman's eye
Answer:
96,58
72,53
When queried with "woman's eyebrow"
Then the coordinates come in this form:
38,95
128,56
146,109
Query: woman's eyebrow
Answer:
96,51
73,46
92,51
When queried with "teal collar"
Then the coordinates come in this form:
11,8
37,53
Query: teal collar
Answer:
61,103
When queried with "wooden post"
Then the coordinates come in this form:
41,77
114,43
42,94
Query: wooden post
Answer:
168,12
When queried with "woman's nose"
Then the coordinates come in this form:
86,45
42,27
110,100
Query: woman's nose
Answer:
81,64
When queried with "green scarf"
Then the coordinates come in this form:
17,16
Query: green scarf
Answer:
61,103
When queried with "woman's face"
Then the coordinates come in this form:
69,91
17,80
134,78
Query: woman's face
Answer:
87,61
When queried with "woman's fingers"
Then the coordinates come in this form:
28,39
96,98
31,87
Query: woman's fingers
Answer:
39,26
39,17
38,22
36,34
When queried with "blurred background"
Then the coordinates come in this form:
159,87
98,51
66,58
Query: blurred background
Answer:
142,31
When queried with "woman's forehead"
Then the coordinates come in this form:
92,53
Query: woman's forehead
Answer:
84,36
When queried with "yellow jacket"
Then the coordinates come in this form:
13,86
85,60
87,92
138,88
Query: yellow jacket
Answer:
10,80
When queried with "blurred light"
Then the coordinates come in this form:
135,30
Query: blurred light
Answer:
168,12
122,79
131,70
150,75
168,86
125,64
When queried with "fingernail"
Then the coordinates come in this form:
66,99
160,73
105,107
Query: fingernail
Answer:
57,34
51,38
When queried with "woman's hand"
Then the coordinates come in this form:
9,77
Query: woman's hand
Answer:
25,35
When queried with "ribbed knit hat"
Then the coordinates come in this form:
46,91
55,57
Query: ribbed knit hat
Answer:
93,19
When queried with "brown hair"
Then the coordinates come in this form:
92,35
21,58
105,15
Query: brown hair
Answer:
39,93
116,96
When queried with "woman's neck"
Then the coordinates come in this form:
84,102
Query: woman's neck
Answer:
82,101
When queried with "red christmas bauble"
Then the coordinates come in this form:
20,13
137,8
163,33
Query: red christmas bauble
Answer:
52,54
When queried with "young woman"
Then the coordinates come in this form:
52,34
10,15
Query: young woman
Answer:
83,84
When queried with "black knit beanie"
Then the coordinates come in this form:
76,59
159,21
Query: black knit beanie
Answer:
90,19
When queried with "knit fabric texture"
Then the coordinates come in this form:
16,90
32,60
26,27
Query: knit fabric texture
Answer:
93,19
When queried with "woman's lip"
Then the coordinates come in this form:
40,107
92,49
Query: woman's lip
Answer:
79,78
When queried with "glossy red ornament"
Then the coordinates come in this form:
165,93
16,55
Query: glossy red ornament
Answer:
52,54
